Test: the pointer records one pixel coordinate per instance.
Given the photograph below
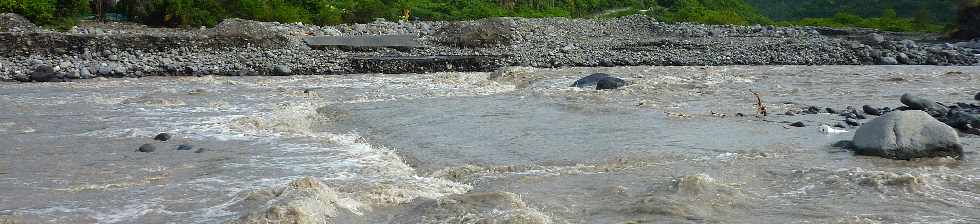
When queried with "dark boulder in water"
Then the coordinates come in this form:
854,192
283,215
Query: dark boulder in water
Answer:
812,110
146,148
610,83
918,103
977,97
163,137
962,120
600,81
906,135
798,124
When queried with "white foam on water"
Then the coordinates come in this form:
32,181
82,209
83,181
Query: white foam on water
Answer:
283,129
135,208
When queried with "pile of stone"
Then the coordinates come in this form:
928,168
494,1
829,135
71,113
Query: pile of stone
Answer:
10,22
242,47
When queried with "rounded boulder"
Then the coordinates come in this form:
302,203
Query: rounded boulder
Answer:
906,135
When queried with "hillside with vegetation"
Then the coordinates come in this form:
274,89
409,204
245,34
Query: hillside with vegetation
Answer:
891,15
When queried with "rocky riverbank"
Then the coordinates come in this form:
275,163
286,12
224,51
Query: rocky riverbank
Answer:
245,48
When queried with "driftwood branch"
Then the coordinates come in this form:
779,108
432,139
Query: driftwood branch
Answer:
760,107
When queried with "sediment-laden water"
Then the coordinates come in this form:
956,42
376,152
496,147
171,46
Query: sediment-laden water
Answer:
512,147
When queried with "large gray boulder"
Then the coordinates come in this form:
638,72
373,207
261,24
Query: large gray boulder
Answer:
906,135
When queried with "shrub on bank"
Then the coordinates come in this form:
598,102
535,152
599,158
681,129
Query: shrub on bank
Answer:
192,13
58,13
889,21
968,22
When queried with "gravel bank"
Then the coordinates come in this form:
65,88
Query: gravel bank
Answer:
242,47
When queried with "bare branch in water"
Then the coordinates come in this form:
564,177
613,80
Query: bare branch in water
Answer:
760,108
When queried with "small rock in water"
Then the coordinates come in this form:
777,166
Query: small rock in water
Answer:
831,110
977,97
197,92
200,150
739,115
868,109
813,110
840,125
918,103
185,147
852,122
790,113
146,148
798,124
163,137
845,144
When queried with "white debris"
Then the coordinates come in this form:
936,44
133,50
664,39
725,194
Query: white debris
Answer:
830,130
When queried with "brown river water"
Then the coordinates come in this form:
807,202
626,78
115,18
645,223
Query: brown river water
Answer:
468,148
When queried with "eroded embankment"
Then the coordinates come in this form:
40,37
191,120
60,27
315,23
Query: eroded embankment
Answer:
245,48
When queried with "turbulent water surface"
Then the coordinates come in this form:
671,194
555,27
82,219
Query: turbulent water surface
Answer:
512,147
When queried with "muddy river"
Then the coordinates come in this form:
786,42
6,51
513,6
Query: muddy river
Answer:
519,146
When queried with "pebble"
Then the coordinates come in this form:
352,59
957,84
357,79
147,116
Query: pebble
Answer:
146,148
163,137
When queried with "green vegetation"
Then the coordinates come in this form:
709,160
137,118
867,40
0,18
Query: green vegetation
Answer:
58,13
891,15
968,21
943,11
888,21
